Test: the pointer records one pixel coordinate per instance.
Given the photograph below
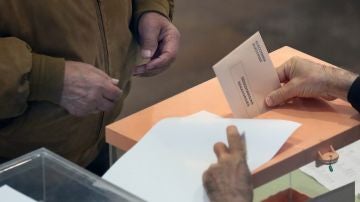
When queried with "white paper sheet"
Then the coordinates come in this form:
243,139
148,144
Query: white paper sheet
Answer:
11,195
247,76
167,164
346,170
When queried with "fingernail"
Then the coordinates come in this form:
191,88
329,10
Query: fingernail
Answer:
115,81
146,53
269,102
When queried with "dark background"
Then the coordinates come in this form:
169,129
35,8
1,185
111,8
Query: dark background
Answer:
326,29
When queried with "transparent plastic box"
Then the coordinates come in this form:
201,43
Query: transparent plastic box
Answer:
45,176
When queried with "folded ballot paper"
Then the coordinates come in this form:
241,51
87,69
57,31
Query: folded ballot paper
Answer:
247,76
168,163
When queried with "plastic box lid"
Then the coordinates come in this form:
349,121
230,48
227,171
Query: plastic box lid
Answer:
45,176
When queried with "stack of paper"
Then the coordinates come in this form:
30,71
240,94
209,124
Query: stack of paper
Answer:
168,163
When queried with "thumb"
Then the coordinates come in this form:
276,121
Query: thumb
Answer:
281,95
149,43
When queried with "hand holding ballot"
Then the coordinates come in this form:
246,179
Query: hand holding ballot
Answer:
304,78
229,179
251,84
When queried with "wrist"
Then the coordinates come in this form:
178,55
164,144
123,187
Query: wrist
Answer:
339,82
232,198
164,8
237,199
46,78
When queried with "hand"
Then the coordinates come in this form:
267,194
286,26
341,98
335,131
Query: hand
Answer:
159,41
304,78
87,89
229,180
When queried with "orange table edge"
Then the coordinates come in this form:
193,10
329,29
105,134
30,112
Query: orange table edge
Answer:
323,123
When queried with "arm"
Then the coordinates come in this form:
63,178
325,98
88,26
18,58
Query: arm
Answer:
24,77
304,78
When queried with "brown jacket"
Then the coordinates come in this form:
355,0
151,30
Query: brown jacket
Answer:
37,36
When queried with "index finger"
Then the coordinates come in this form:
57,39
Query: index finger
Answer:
286,70
236,141
283,71
167,50
220,150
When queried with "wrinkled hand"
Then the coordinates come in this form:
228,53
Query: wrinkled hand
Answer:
304,78
87,89
229,180
159,40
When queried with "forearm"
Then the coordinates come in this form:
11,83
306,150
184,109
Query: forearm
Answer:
46,78
26,76
235,197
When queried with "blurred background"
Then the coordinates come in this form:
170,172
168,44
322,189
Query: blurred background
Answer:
326,29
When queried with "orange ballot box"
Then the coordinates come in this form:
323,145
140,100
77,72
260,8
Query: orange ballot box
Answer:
324,123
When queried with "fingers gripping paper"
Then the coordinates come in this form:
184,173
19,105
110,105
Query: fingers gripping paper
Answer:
168,163
247,76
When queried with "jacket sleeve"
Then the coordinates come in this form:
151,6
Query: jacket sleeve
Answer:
354,94
26,76
163,7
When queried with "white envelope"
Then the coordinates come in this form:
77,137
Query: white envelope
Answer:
247,76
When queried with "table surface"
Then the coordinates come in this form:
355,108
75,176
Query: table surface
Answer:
324,123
